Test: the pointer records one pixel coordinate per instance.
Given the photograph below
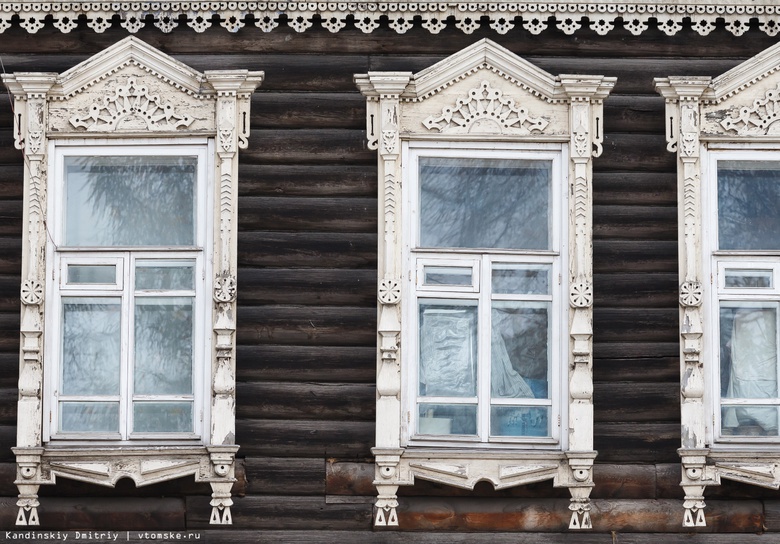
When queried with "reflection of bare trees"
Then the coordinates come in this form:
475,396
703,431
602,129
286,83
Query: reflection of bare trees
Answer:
485,203
91,348
163,346
749,205
130,201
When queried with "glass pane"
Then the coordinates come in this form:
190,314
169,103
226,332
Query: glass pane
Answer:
448,419
447,275
736,277
521,279
749,421
485,203
76,417
92,273
448,349
519,421
749,204
162,417
130,201
91,346
163,346
175,277
520,355
748,350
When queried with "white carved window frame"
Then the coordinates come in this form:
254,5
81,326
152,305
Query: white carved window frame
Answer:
706,118
414,259
480,97
130,94
58,257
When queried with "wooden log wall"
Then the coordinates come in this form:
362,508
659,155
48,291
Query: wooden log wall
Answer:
306,317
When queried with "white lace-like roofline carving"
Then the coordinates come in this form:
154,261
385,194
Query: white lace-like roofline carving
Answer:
536,16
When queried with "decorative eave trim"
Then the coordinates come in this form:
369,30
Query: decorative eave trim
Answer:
534,16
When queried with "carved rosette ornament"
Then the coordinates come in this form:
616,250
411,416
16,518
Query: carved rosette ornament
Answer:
126,90
691,293
225,289
389,291
464,102
32,292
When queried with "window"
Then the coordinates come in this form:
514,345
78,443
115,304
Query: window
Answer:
127,365
486,315
746,202
484,335
129,257
724,133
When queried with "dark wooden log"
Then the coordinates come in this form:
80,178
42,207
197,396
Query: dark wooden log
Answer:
103,514
635,290
637,442
9,331
293,249
306,286
288,438
10,217
634,114
635,222
327,180
309,214
637,350
635,152
463,514
615,402
321,146
285,476
309,401
320,110
634,188
8,398
283,512
270,362
634,256
624,325
303,325
638,371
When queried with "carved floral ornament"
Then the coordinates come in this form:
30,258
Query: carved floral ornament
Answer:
488,109
534,16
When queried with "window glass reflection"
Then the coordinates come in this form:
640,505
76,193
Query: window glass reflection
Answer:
485,203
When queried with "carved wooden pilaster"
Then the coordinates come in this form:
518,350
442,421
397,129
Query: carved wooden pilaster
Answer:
586,133
383,133
683,126
30,115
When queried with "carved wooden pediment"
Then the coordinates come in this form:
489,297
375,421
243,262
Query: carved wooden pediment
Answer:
130,87
745,101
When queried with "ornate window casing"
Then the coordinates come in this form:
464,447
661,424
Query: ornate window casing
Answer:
534,16
725,134
135,120
484,122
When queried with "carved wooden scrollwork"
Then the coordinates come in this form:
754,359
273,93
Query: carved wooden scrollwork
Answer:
485,109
